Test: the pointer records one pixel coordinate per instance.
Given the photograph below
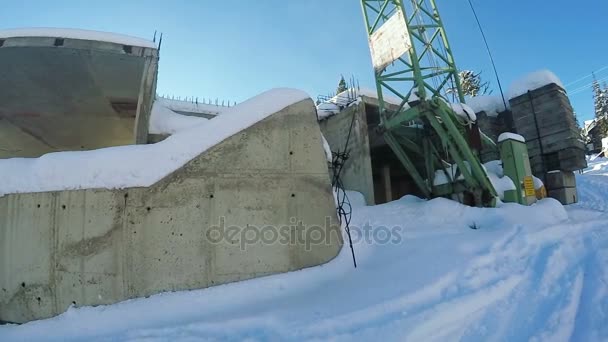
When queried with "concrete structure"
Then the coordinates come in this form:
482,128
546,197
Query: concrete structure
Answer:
357,171
63,90
493,127
372,167
97,246
561,185
545,118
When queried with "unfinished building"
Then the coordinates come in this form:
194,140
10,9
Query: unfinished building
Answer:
65,93
92,227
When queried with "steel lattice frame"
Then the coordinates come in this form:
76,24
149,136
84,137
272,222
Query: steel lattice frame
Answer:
435,76
428,71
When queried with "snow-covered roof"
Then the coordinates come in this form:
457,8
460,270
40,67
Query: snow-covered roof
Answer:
192,107
589,125
533,81
137,165
165,121
77,34
335,104
491,105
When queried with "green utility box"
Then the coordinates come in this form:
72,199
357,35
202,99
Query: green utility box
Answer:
516,165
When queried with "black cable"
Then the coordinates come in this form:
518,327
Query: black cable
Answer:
485,40
344,208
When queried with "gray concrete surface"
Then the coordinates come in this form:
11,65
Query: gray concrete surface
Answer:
81,95
96,246
357,171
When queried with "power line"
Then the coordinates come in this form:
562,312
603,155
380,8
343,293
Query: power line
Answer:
485,40
590,75
586,87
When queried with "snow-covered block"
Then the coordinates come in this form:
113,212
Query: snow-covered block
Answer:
533,81
511,136
51,32
491,105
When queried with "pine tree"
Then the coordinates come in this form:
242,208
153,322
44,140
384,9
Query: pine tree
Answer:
341,86
600,100
471,84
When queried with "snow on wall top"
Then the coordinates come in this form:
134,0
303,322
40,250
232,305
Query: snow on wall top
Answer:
137,165
533,81
165,121
192,107
77,34
491,105
511,136
334,105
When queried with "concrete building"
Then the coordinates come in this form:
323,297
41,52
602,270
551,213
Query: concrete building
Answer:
372,168
73,90
69,90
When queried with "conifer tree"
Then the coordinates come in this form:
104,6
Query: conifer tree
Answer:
600,100
341,86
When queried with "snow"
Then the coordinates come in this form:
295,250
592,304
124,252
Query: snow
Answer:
501,184
493,169
538,183
349,97
537,273
464,111
491,105
533,81
511,136
165,121
327,149
77,34
327,109
192,107
137,165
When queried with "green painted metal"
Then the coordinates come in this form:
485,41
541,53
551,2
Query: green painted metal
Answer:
516,165
424,78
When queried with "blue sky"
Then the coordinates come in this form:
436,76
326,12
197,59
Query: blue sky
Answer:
234,49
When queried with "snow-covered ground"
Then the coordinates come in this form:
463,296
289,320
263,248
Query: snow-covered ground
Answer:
535,273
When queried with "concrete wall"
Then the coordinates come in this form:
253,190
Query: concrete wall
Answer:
357,172
92,247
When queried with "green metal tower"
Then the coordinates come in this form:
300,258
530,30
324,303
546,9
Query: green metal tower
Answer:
413,62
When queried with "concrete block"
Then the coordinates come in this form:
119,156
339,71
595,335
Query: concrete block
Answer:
565,196
560,179
554,144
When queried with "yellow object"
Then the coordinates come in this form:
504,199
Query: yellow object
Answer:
529,186
541,193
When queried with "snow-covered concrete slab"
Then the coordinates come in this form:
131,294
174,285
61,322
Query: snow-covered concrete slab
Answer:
52,32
